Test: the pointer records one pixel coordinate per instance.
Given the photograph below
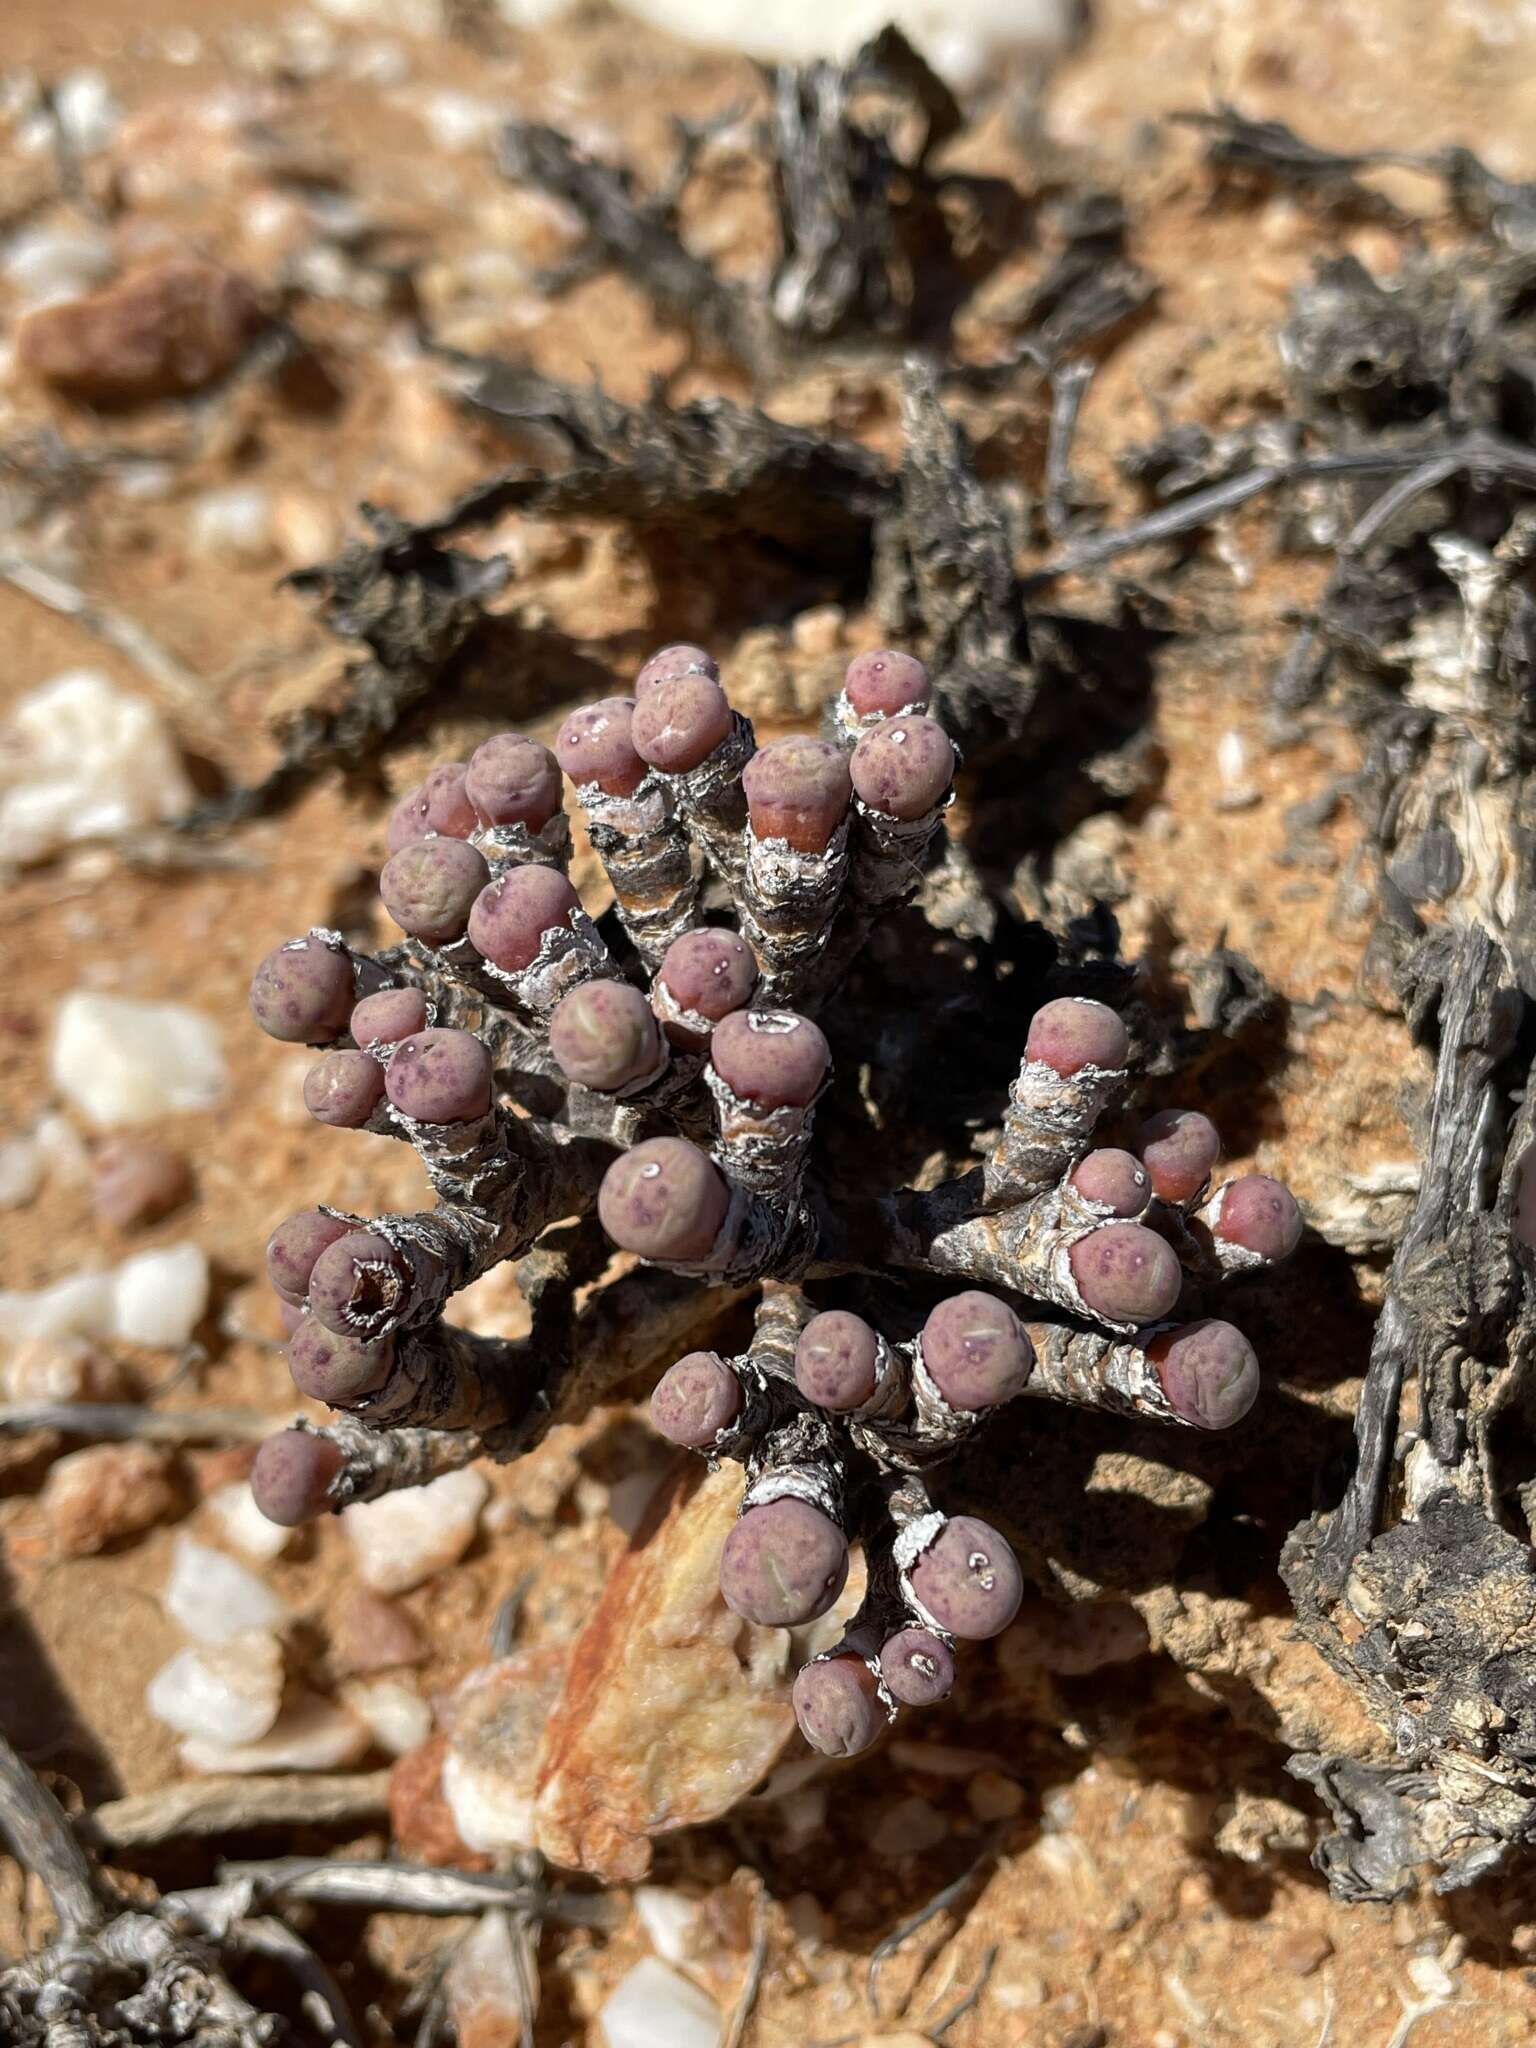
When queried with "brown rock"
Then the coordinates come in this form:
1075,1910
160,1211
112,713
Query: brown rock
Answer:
673,1708
420,1818
137,1180
373,1634
100,1495
168,329
1302,1951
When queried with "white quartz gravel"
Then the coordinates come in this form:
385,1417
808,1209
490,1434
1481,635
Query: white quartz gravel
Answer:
120,1060
401,1540
655,2007
222,1692
310,1734
82,759
213,1597
156,1297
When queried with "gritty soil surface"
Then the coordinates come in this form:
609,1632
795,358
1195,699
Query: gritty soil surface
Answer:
1143,1875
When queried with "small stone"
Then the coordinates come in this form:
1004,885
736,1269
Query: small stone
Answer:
406,1537
137,1180
1301,1951
991,1796
716,1691
225,1692
485,1984
1016,1983
82,759
908,1828
495,1722
373,1634
1430,1978
21,1172
819,631
1258,1828
159,1297
420,1818
310,1734
122,1061
86,110
232,524
243,1524
668,1919
44,265
77,1306
396,1715
59,1369
212,1597
654,2007
905,2039
101,1494
172,328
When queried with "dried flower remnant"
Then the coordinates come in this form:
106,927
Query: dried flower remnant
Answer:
671,1092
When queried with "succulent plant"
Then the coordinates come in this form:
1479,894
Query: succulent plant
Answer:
663,1069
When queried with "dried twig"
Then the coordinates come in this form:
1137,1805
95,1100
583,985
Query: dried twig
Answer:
395,1888
231,1806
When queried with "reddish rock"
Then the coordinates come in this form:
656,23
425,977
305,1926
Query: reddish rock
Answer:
373,1634
137,1180
100,1495
673,1708
420,1818
161,332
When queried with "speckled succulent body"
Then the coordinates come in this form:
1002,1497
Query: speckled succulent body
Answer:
661,1071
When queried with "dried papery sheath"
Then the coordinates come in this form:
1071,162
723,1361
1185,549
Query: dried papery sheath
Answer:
1092,1369
889,855
443,1379
1074,1069
765,1083
711,804
788,902
1120,1274
569,953
644,852
914,1427
305,1471
798,791
515,846
1203,1375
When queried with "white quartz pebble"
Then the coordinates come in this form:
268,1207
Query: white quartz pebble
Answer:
122,1061
156,1297
404,1538
310,1734
159,1297
82,759
667,1918
397,1716
244,1525
213,1597
654,2007
223,1692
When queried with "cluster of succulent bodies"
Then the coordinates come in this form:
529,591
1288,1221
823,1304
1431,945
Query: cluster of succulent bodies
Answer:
671,1081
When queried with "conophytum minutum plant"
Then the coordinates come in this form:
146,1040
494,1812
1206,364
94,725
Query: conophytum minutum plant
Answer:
670,1083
